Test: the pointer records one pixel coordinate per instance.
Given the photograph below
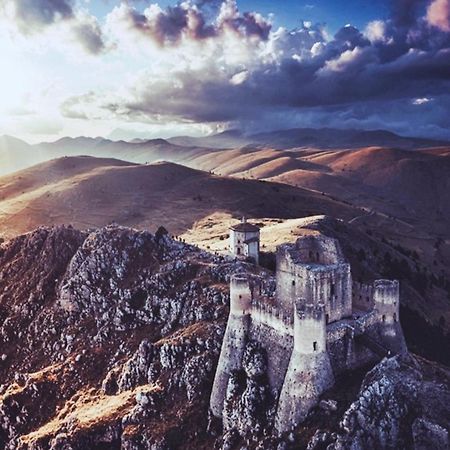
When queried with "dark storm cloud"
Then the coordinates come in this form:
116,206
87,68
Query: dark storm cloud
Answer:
407,57
33,16
405,12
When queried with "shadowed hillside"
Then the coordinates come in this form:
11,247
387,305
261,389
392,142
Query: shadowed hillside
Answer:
89,192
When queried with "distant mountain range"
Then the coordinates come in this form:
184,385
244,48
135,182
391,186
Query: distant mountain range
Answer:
323,138
16,154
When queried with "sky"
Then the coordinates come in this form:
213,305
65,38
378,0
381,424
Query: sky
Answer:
127,69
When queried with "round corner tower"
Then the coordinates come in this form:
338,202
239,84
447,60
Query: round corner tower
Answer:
309,372
310,335
242,289
241,294
386,295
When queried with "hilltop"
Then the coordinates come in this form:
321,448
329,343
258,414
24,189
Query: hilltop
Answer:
322,138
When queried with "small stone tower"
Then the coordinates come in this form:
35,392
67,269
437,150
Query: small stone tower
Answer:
309,372
386,295
244,240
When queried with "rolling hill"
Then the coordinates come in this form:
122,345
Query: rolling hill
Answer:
397,195
92,192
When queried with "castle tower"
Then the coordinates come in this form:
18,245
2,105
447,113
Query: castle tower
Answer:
244,240
314,268
309,372
235,338
386,295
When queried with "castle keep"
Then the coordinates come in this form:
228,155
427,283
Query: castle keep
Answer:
318,325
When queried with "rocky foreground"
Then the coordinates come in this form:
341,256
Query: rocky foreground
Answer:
110,339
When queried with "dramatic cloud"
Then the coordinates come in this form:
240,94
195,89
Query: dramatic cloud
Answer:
187,21
438,14
207,62
35,16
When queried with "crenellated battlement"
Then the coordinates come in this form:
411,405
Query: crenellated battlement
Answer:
263,312
386,292
309,311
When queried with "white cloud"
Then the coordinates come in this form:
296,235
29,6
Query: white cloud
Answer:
239,78
421,101
55,19
376,31
343,61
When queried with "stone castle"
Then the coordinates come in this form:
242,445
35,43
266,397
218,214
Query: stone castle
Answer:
318,325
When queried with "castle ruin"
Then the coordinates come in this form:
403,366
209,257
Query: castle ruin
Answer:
318,325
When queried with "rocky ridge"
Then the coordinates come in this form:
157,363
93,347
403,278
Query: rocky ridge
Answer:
110,339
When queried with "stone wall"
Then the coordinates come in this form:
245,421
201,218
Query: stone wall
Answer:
362,296
278,348
346,353
317,249
251,250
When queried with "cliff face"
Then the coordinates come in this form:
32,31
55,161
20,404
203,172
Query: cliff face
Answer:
110,340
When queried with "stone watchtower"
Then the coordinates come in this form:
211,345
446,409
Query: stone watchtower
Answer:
242,291
244,240
386,294
309,372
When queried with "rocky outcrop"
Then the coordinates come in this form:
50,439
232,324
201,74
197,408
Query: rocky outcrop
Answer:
400,405
115,317
248,398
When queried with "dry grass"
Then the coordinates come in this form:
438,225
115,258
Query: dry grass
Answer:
207,233
89,409
49,373
146,196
